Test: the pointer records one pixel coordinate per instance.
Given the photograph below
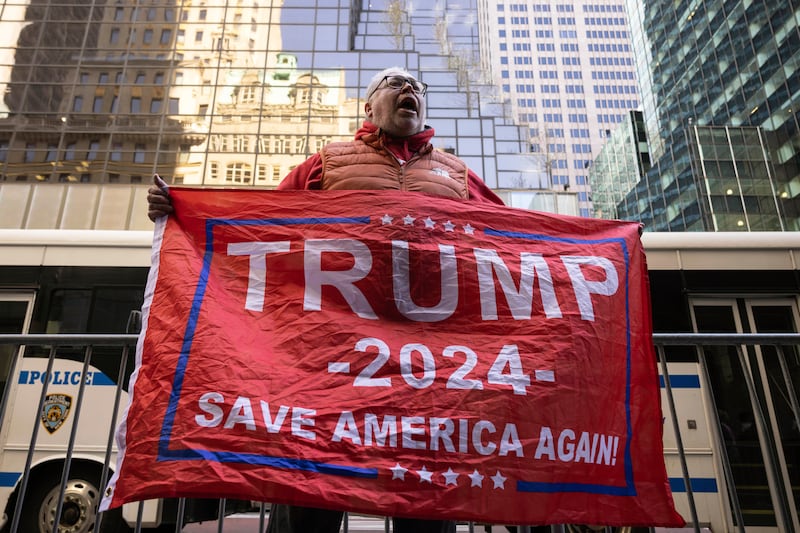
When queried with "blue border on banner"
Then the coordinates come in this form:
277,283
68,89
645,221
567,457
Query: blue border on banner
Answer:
166,454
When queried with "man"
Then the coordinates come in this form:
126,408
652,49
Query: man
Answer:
396,143
391,151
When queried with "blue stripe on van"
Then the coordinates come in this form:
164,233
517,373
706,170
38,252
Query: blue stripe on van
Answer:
9,479
98,378
699,484
681,381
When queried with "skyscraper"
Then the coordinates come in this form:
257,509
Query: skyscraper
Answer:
568,70
619,166
720,84
101,94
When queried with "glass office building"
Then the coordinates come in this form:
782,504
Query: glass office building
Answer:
100,94
622,162
720,83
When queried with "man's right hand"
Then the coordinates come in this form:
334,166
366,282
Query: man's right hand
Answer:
159,203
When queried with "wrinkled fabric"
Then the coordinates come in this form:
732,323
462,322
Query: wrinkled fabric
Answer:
396,354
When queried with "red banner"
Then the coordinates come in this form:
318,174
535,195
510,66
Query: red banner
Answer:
397,354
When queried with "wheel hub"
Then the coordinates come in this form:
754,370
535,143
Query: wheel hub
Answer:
77,511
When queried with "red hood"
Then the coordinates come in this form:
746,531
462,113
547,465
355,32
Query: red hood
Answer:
402,147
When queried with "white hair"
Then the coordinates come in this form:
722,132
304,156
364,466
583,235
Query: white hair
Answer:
378,78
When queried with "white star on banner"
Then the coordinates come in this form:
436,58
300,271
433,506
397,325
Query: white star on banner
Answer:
386,219
429,223
477,479
450,477
398,472
424,475
469,230
449,226
499,481
408,220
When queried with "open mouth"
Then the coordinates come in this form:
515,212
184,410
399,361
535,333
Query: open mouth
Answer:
408,104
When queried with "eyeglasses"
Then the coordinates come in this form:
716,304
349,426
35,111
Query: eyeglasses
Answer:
398,82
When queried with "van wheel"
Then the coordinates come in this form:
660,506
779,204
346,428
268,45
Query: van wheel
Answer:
78,510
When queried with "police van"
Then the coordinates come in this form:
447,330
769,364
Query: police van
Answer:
70,283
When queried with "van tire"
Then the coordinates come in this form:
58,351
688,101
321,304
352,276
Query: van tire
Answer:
79,509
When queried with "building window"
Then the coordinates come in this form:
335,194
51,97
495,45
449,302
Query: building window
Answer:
52,152
151,13
321,142
136,105
155,105
30,152
138,153
147,38
198,36
97,106
3,151
139,78
116,152
113,178
77,104
69,152
247,94
166,36
238,173
94,146
119,14
174,106
114,37
261,173
240,143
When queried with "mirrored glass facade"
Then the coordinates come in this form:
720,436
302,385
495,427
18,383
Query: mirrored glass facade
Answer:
100,94
734,178
620,165
715,64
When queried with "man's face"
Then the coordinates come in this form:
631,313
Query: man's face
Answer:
399,112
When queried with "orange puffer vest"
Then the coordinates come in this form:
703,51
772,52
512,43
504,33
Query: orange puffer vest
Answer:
364,164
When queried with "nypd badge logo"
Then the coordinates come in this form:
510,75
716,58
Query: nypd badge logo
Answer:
55,411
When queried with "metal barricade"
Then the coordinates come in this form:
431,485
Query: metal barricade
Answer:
87,344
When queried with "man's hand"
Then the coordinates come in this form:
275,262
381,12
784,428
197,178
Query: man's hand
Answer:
159,203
